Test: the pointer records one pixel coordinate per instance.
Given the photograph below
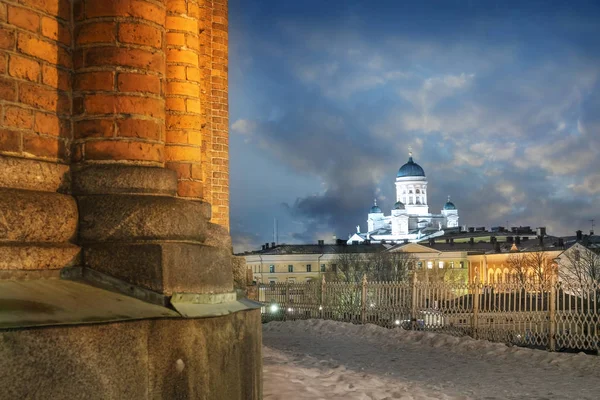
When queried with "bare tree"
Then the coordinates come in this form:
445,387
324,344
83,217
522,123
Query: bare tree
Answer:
579,266
517,268
378,267
541,268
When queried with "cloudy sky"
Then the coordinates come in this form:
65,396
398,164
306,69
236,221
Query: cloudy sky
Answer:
499,101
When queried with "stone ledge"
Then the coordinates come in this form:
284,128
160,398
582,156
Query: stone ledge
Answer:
123,179
164,267
28,216
17,256
134,217
23,173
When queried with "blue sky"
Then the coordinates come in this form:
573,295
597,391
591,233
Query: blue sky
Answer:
499,100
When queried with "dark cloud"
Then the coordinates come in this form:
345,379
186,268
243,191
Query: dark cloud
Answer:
502,115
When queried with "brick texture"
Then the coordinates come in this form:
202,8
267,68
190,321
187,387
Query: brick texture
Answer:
197,114
119,62
35,79
130,81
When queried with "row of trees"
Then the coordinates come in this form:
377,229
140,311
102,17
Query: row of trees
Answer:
579,266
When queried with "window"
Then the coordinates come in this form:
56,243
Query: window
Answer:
429,264
323,267
451,264
308,268
441,264
420,265
290,268
462,264
271,269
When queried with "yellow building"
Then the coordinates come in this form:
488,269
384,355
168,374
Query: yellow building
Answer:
300,263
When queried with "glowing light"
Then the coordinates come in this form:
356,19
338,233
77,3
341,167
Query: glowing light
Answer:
290,309
320,308
372,305
274,308
397,322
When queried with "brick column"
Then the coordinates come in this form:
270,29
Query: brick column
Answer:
185,123
38,221
118,99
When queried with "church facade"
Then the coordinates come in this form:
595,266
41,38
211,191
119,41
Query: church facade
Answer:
409,218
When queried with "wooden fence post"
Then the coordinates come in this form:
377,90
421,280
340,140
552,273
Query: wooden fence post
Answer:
474,321
363,300
552,316
322,305
414,299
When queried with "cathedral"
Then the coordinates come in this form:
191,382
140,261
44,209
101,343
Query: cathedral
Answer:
410,218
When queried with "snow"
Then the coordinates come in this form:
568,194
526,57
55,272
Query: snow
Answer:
317,359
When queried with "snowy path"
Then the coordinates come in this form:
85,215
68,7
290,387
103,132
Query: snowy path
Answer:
333,360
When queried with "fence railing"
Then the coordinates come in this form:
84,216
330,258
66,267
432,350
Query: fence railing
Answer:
551,315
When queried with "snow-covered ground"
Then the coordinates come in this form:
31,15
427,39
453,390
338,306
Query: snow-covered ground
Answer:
330,360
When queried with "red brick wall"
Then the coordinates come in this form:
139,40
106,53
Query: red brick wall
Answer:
131,81
35,78
118,96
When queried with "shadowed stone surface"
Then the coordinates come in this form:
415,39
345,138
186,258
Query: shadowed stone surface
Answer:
211,359
164,267
27,216
21,173
38,256
219,236
124,179
134,217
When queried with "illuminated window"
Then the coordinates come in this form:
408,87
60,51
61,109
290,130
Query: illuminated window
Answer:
451,264
429,264
441,264
271,269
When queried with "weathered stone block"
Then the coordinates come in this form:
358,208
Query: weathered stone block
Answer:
28,216
164,267
124,179
219,236
15,256
135,217
211,358
21,173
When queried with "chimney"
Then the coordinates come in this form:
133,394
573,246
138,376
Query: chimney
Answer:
405,241
493,239
432,242
321,242
272,244
267,245
518,239
471,229
496,247
541,231
561,242
263,247
471,241
579,235
591,233
452,241
447,240
509,239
